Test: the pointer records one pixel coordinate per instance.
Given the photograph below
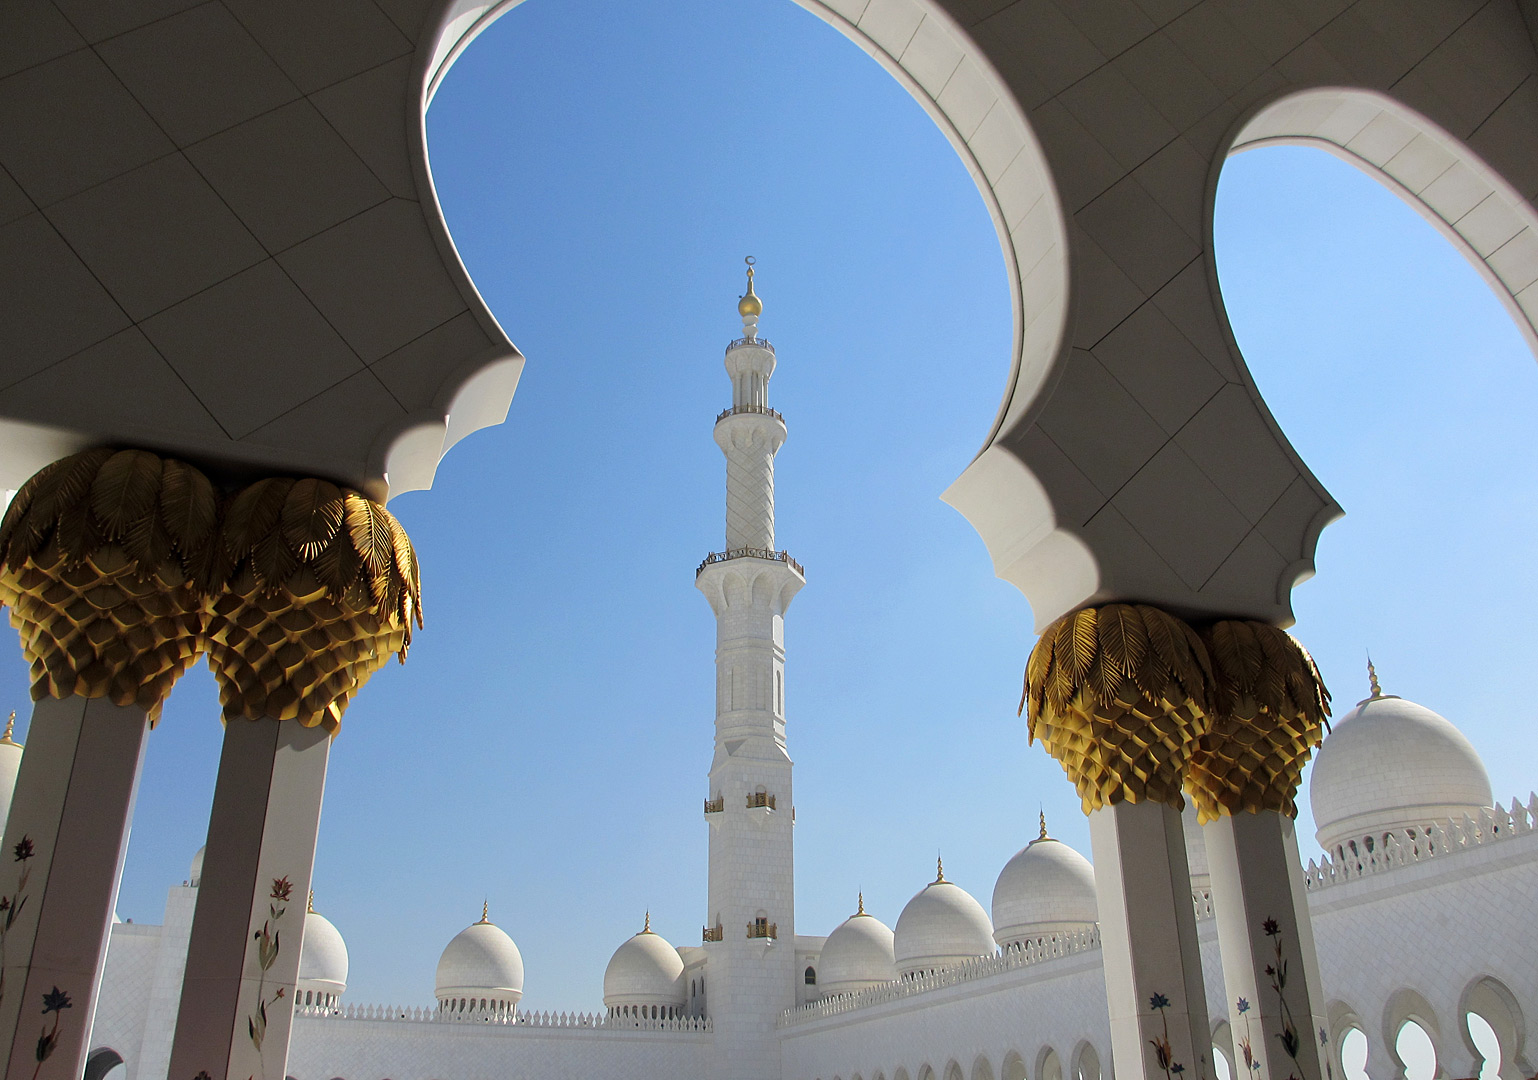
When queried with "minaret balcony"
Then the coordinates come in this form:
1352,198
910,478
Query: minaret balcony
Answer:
716,805
749,553
756,410
756,342
714,933
763,928
760,800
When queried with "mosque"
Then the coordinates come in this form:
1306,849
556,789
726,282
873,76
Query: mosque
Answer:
1415,910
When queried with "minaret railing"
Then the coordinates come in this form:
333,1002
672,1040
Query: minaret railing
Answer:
761,410
761,343
749,553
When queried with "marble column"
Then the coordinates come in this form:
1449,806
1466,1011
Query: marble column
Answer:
1153,965
248,928
1270,968
1117,694
1268,709
59,871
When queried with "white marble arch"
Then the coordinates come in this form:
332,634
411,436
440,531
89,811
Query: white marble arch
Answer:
1438,174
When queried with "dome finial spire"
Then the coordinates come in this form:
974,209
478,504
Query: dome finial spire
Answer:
1372,679
939,871
485,911
1043,835
310,904
750,307
862,903
10,729
646,929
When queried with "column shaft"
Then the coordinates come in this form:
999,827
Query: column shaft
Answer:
1153,965
59,871
247,931
1270,969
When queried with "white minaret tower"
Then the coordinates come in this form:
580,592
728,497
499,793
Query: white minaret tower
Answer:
750,936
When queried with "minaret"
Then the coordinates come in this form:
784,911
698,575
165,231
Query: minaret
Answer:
750,937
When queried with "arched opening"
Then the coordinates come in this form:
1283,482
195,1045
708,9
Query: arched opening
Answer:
900,1074
1223,1050
1494,1029
1048,1065
1353,1054
953,1072
1086,1062
102,1063
1014,1067
981,1070
1416,1052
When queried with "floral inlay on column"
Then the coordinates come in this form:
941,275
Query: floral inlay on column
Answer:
268,945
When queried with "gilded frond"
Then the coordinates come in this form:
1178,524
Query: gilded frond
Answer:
1269,710
1118,695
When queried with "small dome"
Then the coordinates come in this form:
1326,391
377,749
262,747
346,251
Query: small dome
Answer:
645,970
481,965
750,306
1046,888
195,874
861,952
322,962
941,927
1388,765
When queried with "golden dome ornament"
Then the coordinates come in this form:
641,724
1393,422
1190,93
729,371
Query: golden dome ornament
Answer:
750,306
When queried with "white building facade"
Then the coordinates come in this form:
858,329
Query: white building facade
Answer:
1416,910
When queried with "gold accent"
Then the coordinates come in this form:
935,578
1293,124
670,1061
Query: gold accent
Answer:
1118,695
485,912
1044,835
716,805
1372,681
714,933
750,305
310,904
763,928
320,587
10,730
648,927
760,800
862,904
103,563
939,872
1270,709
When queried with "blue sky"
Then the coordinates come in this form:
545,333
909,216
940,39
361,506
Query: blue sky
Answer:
604,167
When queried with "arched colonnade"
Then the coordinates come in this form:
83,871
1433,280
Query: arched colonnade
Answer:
1131,459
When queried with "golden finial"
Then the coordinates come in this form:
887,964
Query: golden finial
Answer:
1044,835
485,911
10,730
648,927
1372,680
862,904
750,304
310,904
939,871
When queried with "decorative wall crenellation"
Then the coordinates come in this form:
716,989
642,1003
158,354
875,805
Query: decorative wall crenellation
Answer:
410,1014
1409,847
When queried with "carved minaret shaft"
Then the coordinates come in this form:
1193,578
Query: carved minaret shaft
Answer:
750,934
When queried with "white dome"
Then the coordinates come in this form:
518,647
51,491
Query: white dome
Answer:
480,964
1390,764
1046,888
645,970
195,874
941,927
860,952
322,962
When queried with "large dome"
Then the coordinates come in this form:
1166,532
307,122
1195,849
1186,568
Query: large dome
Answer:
1047,888
1388,765
644,972
481,970
861,952
322,962
195,872
941,927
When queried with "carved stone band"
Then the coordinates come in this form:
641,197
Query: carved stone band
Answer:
1269,711
121,568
